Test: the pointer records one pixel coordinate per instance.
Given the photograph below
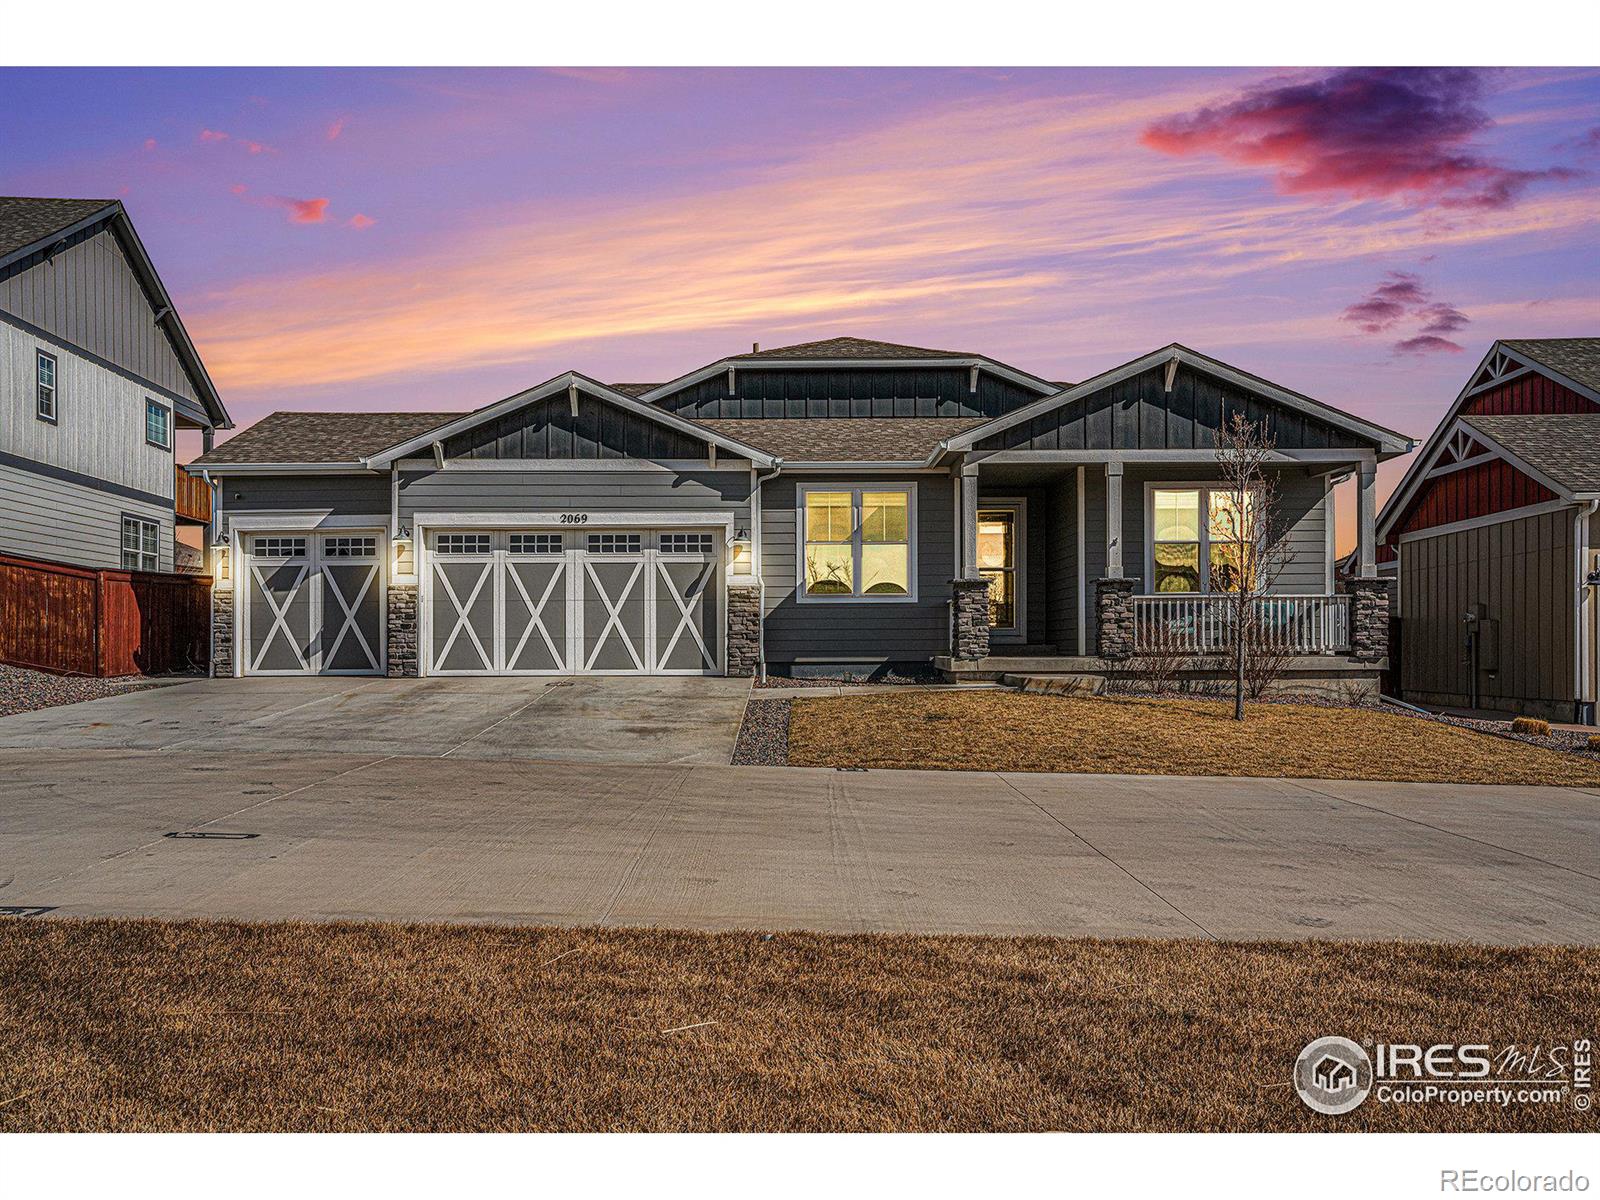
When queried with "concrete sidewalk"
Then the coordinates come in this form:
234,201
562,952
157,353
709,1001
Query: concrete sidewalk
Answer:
377,835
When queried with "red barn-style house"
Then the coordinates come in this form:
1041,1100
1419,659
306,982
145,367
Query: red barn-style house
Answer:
1493,534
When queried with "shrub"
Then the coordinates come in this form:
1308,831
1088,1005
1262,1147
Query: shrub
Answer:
1532,726
1594,742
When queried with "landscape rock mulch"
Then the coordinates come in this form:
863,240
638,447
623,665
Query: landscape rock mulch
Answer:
23,690
898,676
764,736
1571,741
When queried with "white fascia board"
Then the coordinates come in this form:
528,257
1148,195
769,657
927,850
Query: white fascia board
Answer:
1499,518
904,466
245,468
549,388
1387,440
678,466
599,519
267,521
1000,370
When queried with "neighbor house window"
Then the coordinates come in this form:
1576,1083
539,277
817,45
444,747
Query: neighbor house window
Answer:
158,424
857,543
45,404
1193,531
141,545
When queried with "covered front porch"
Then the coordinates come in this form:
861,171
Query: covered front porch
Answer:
1076,563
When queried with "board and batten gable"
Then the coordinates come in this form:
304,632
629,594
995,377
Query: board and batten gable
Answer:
845,631
848,392
1139,413
88,295
547,429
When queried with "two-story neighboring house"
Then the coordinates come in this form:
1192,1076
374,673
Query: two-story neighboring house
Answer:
97,376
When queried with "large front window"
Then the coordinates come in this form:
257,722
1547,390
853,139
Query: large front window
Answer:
1195,539
857,543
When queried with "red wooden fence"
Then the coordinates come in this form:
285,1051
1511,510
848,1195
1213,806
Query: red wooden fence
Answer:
83,621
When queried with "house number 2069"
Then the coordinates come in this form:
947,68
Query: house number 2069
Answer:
574,518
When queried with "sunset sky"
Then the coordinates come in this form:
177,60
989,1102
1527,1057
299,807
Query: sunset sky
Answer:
369,239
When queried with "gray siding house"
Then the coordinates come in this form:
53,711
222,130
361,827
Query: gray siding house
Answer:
96,376
842,505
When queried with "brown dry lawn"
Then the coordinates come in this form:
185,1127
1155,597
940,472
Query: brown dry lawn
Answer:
144,1025
1010,731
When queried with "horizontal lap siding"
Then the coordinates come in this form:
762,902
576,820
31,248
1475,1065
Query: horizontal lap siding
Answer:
1521,571
337,495
857,632
849,392
586,491
66,522
1303,511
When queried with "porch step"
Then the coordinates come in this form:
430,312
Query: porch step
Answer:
1056,685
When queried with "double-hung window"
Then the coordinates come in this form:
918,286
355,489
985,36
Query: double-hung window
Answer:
45,405
1196,539
141,544
856,543
158,424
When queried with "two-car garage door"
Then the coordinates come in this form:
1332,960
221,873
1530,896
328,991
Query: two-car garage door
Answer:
570,602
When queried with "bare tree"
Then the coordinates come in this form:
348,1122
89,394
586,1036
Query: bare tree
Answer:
1248,552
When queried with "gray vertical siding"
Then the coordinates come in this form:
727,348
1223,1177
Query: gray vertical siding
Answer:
1521,571
1303,511
868,632
1060,522
88,295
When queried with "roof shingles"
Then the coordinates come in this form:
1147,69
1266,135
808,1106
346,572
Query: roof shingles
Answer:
1576,358
844,439
25,220
322,437
1563,446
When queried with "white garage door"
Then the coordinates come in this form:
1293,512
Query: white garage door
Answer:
542,602
313,604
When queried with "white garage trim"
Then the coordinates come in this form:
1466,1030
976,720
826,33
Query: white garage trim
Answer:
312,527
593,519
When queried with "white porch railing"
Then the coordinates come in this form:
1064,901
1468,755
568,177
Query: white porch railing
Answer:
1204,624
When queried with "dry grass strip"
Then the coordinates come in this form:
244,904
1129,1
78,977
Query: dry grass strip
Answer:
1008,731
143,1025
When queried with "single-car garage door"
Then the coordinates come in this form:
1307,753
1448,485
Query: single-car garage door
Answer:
313,604
562,602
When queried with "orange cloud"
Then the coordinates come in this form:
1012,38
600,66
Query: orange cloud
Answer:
361,221
305,212
335,129
213,135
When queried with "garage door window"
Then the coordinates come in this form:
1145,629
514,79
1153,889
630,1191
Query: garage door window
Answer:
463,543
857,544
349,547
279,547
536,543
615,543
686,543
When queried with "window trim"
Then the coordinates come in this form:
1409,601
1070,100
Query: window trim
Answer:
855,489
1018,505
55,387
122,550
148,440
1205,487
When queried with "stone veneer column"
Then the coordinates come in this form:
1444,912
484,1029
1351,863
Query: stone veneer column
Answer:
221,632
1113,613
744,629
1370,603
972,618
402,630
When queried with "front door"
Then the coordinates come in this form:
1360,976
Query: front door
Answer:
1000,539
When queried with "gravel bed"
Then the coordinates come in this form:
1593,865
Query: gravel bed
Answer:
764,736
1569,741
23,690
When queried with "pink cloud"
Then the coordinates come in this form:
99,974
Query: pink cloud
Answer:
335,129
305,212
1402,296
238,189
213,135
1364,132
149,143
1427,343
361,221
259,148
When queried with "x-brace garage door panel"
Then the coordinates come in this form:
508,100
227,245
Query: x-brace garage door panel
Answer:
562,603
313,605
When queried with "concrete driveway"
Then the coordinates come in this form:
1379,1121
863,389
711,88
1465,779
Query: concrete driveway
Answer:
376,834
682,719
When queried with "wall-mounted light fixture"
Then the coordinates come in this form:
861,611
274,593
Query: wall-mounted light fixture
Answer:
221,566
743,563
404,568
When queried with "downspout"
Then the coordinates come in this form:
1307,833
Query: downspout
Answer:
1582,651
756,552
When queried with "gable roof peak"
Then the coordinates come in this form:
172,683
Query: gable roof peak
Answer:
852,347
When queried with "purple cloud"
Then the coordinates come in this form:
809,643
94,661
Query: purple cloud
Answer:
1402,296
1366,132
1426,343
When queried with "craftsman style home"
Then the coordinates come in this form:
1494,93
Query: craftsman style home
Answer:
1493,534
838,505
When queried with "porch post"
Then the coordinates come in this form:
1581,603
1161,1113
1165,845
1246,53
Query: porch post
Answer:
1367,522
1113,520
969,633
